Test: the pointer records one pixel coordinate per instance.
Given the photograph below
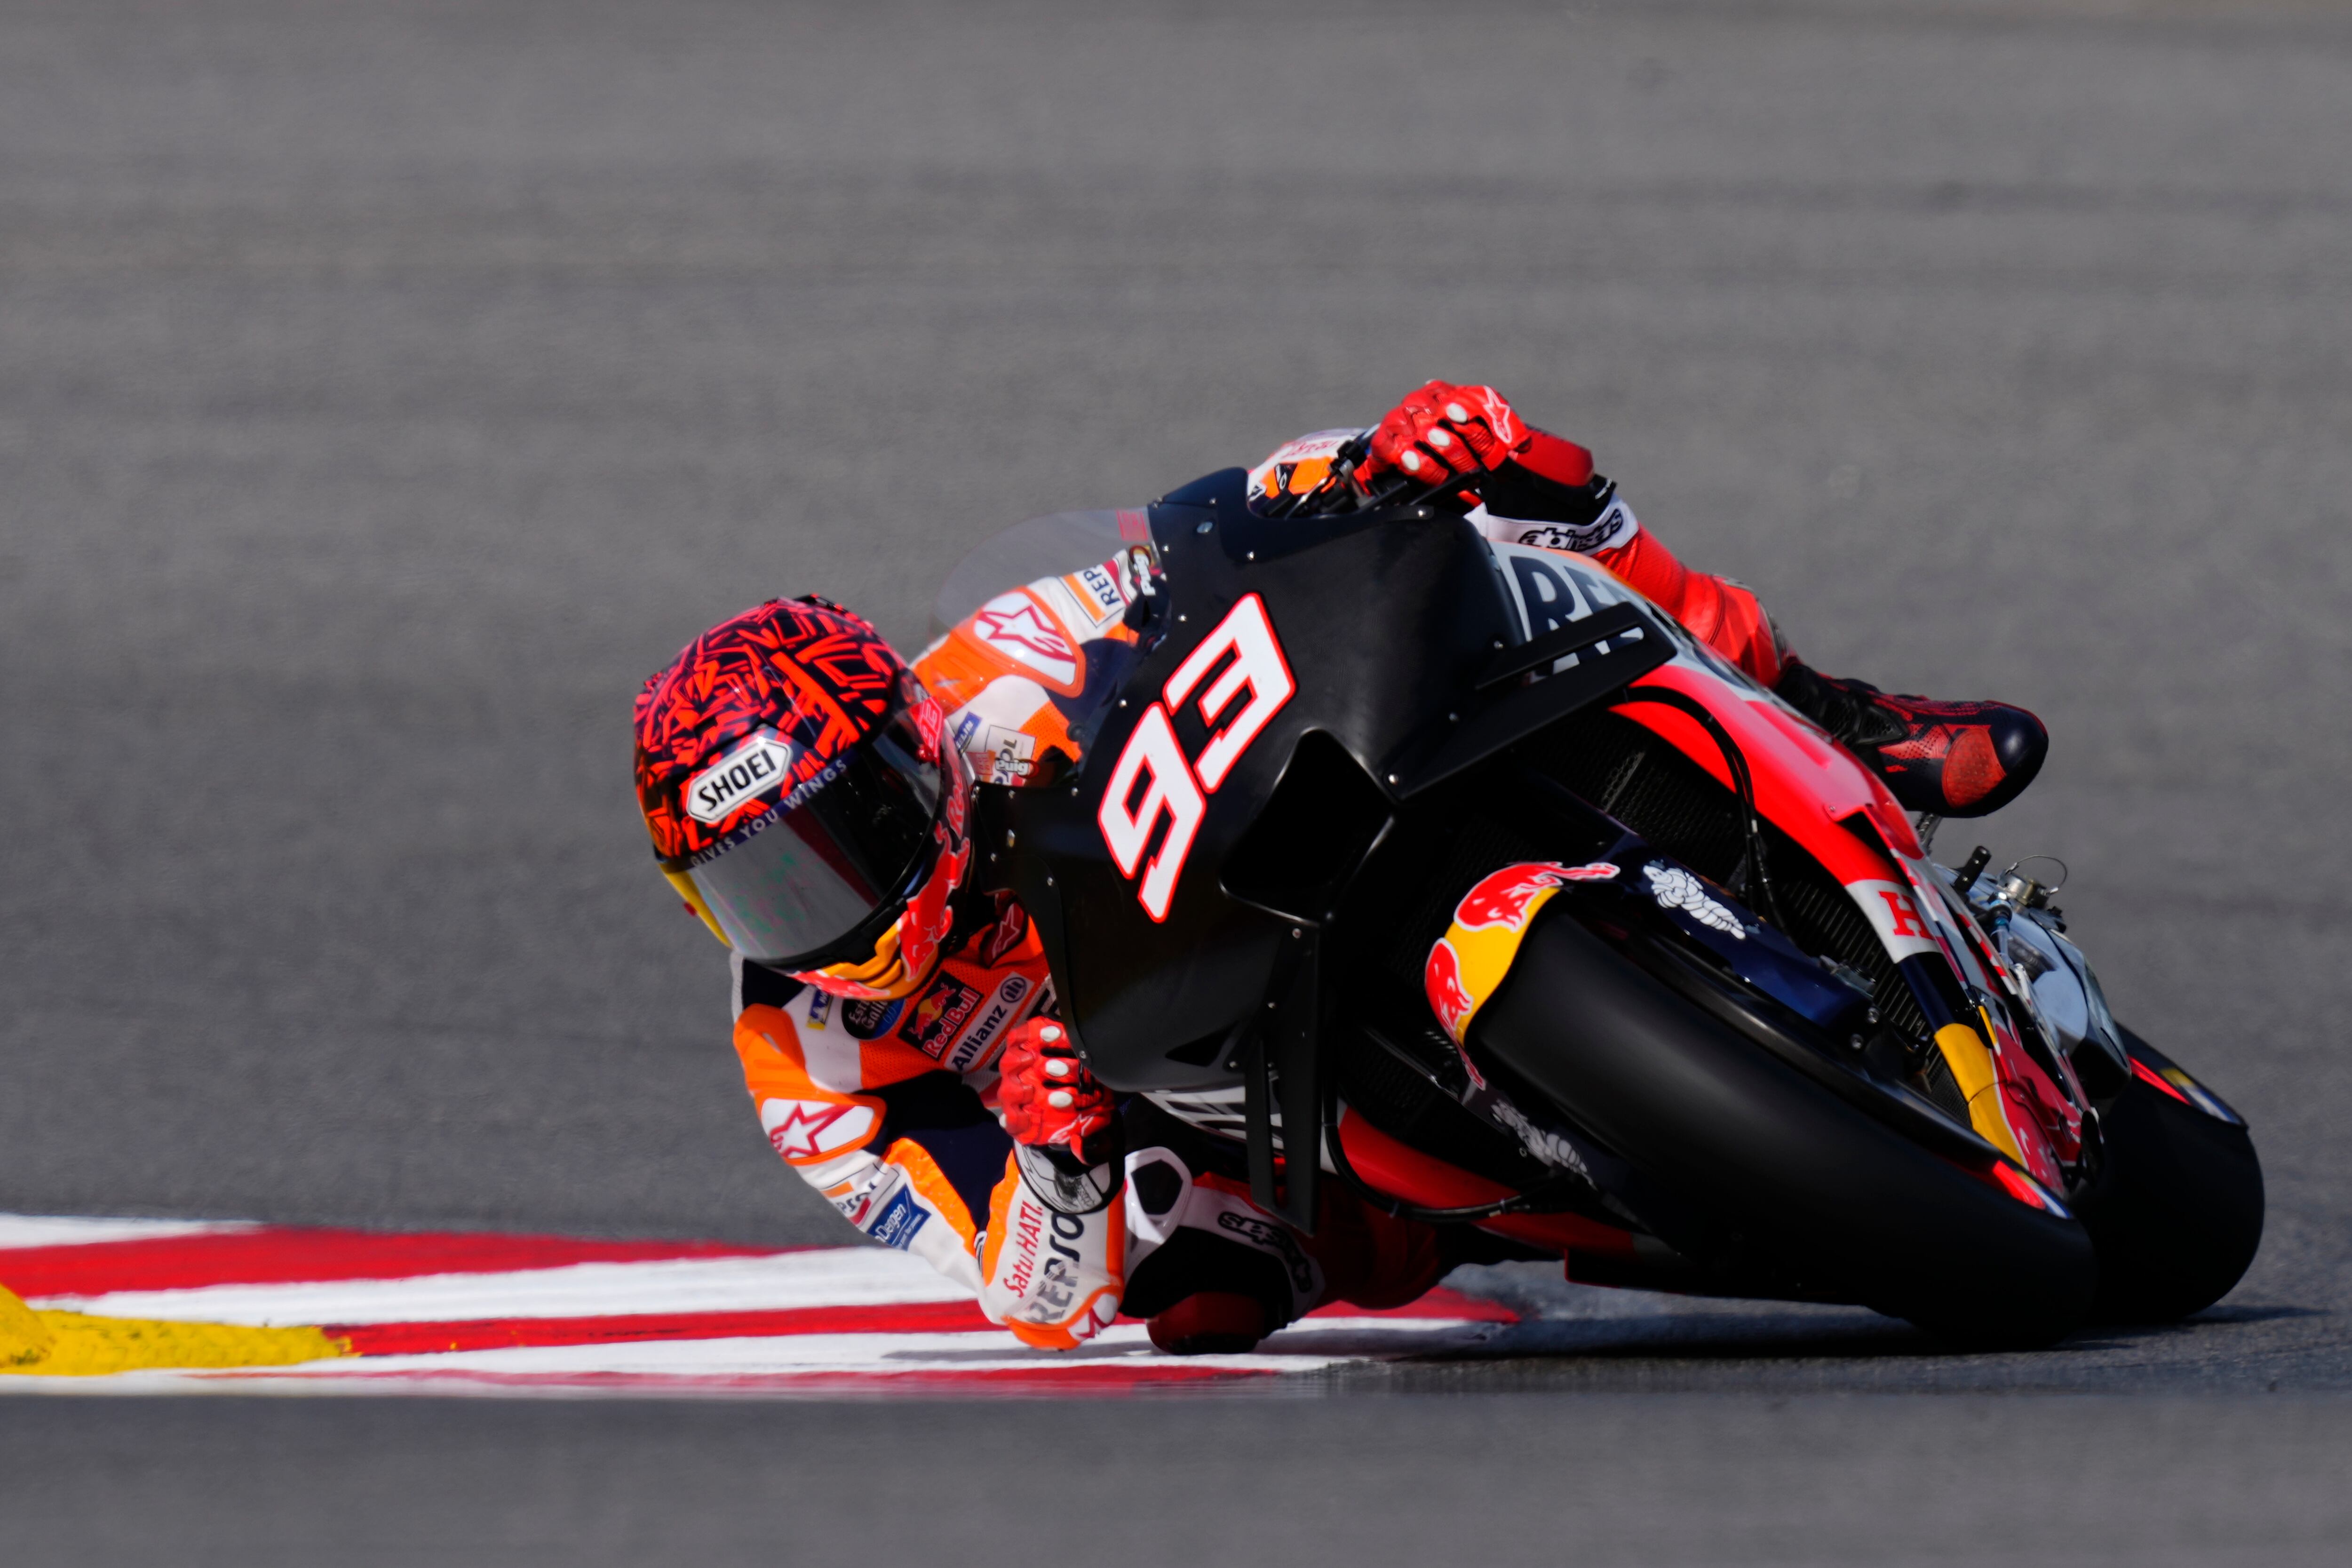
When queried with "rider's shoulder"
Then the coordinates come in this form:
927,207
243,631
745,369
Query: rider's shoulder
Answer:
1000,671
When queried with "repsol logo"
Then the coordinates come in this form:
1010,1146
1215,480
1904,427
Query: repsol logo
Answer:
758,764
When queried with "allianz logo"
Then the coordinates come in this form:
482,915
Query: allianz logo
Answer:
758,764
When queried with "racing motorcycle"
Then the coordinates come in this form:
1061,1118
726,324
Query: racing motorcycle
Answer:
1458,872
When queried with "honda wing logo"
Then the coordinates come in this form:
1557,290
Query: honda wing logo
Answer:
1154,782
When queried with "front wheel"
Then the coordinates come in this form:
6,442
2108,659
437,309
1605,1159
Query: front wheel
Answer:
2177,1211
1797,1171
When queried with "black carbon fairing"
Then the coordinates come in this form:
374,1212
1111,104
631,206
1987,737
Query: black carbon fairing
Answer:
1386,629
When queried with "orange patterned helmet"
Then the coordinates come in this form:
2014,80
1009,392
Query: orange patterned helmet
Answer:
800,800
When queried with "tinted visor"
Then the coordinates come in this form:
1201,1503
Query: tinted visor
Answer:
835,855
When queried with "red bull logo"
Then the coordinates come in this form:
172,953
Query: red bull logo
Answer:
1468,965
1441,979
1509,896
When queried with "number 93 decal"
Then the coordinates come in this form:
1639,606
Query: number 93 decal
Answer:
1154,782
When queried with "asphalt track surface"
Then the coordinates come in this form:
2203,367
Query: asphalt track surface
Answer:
385,390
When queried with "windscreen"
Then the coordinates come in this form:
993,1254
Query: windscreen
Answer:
1050,546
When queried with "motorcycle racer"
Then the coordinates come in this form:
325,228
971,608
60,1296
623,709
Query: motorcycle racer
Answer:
811,797
896,1031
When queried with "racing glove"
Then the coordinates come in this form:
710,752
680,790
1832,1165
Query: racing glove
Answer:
1443,429
1053,1263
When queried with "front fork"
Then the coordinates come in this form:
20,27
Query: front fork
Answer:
2027,1102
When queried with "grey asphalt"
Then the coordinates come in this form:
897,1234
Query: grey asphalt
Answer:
385,390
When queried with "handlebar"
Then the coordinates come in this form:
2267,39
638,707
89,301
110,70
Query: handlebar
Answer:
1343,490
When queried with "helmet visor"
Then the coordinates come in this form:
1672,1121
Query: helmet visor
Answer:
834,855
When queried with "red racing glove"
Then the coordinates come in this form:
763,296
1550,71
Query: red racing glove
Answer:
1048,1097
1445,429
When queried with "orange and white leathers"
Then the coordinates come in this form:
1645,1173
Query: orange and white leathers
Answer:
886,1104
888,1109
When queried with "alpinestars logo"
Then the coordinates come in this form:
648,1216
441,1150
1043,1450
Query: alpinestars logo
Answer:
805,1130
1153,781
1015,627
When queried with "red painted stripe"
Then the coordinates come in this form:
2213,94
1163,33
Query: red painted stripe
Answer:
286,1255
1438,1303
908,1318
504,1333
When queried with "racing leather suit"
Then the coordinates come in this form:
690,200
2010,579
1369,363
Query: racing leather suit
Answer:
889,1107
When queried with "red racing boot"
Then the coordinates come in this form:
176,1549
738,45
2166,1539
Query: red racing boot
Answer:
1209,1323
1952,758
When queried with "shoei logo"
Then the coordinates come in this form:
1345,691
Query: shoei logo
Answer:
752,768
1154,781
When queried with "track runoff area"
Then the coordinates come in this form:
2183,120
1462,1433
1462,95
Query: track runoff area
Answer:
158,1306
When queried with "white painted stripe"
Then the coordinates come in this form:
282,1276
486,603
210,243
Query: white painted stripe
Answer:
71,1230
833,1276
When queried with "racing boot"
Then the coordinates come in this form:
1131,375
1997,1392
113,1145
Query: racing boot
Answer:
1209,1323
1950,759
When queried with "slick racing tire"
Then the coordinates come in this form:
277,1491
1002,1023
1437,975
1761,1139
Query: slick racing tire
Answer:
1844,1196
2177,1211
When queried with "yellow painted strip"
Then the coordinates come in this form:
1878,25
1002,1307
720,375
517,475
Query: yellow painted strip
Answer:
23,1338
1971,1061
74,1344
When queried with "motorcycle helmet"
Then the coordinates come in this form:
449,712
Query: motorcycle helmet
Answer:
802,800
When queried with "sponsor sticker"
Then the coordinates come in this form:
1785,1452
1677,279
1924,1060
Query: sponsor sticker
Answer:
1676,889
1504,898
1449,997
804,1130
760,763
1894,917
820,1009
1098,594
870,1020
1012,925
943,1010
1014,624
1552,590
900,1218
971,1048
1134,567
1613,527
1470,963
1004,755
861,1194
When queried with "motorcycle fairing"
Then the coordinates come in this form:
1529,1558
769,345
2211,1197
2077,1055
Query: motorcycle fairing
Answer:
1384,623
1404,638
1822,796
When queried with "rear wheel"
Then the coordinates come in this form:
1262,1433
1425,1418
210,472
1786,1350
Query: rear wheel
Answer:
1836,1196
2177,1211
